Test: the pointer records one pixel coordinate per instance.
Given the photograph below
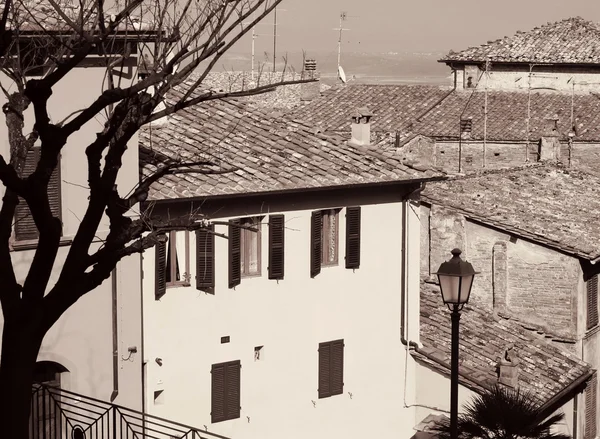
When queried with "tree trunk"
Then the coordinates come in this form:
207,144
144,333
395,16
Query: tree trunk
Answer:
21,343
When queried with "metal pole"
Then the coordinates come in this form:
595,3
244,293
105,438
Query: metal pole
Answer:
340,45
454,375
253,42
274,37
459,146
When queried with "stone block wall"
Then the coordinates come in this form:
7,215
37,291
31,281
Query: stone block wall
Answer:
529,281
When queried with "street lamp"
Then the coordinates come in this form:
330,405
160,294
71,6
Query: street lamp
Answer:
456,279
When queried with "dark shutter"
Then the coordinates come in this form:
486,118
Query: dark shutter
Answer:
590,408
161,268
276,246
592,302
54,193
24,226
324,370
353,237
235,263
316,248
217,413
337,367
225,391
205,259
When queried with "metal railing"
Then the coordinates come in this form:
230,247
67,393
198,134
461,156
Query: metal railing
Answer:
60,414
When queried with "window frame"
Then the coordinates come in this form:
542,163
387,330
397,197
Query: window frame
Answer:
256,222
171,261
326,213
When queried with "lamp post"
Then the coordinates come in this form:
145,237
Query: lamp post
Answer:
456,279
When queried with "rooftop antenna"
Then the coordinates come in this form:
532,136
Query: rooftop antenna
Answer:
275,35
485,109
254,36
343,17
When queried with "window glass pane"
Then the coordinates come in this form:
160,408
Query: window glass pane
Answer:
329,236
250,257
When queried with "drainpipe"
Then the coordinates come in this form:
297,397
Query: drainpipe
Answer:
404,274
115,337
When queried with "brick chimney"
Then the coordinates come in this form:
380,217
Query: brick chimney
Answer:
549,146
310,90
508,368
466,127
361,127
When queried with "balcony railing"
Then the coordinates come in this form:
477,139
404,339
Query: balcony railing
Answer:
60,414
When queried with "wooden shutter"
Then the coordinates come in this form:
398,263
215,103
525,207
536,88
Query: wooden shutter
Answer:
276,246
590,407
225,391
324,370
54,192
160,260
316,247
205,259
337,367
217,413
353,237
235,263
592,302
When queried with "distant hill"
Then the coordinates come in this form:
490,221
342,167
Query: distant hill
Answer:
389,68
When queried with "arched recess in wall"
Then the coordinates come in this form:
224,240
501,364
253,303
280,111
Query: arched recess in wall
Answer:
45,404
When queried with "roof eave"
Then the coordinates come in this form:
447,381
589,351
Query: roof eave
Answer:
566,394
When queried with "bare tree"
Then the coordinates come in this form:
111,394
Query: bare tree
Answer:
181,41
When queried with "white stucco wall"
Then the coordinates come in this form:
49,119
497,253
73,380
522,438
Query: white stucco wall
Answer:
290,318
82,340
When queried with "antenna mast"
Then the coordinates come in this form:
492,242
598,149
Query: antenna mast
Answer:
343,17
485,110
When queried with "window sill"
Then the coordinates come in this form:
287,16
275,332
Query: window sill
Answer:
31,244
178,284
250,276
591,331
332,264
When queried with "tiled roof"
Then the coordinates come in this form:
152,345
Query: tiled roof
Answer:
544,368
507,116
394,106
551,205
570,41
268,151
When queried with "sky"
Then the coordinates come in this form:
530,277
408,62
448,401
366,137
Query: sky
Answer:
413,26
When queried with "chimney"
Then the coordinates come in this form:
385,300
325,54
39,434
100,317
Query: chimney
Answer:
549,147
310,90
466,127
508,368
361,127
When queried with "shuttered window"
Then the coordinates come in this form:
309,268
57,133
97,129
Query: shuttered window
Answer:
178,259
25,228
353,237
225,391
592,302
329,236
331,368
315,244
591,396
160,261
234,235
276,246
250,247
205,259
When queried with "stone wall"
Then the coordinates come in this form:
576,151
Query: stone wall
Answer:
531,282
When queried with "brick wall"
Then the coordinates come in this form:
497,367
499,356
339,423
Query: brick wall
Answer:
535,284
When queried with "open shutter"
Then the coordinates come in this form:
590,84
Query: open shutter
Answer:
276,246
24,226
590,408
232,378
316,247
337,367
205,259
217,413
324,370
161,268
235,263
592,301
54,193
353,237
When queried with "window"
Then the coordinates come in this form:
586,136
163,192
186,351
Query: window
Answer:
276,246
592,301
250,247
329,237
205,259
353,237
244,249
177,270
225,391
331,368
25,228
590,407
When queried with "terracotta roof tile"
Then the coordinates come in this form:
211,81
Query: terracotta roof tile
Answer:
507,116
294,159
544,368
394,106
547,204
570,41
